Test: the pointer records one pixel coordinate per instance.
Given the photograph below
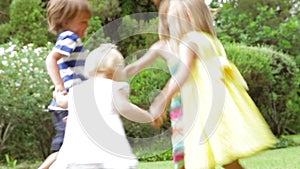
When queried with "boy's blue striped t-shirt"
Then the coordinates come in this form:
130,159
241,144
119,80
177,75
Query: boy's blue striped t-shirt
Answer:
71,65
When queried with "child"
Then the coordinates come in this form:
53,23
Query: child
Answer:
70,20
95,137
221,122
165,49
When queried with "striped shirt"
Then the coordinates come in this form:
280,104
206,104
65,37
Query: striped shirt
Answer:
71,65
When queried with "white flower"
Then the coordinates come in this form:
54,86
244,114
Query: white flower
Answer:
2,51
18,84
36,94
25,60
4,63
10,49
37,51
13,54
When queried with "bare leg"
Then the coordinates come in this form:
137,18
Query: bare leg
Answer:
233,165
49,161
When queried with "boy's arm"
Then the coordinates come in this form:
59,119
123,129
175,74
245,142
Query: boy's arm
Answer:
53,70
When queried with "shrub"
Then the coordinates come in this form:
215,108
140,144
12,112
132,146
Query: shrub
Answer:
273,79
25,93
95,35
5,33
137,35
28,23
262,25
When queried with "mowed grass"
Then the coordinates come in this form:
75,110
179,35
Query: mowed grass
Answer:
284,158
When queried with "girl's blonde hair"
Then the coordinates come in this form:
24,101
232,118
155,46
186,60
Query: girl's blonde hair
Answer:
189,15
105,59
201,16
163,26
59,11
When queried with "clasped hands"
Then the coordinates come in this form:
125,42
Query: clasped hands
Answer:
158,109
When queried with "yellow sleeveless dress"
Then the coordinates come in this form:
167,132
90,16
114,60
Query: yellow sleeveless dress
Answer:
222,123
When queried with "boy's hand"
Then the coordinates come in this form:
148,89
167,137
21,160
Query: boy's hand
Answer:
59,89
57,94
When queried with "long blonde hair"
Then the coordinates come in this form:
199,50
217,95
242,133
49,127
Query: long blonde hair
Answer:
59,11
189,15
163,26
201,16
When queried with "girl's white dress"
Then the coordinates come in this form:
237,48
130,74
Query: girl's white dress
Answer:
95,136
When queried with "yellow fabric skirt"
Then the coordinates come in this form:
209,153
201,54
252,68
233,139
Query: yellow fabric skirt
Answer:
222,123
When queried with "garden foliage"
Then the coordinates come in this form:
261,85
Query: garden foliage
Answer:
25,93
263,25
274,81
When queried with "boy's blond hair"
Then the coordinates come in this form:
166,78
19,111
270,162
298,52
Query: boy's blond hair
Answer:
105,59
59,11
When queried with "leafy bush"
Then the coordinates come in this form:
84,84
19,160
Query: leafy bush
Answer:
95,35
28,23
273,79
137,35
285,142
260,25
25,93
5,33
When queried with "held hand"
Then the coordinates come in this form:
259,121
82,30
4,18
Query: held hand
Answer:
158,110
60,88
159,121
57,94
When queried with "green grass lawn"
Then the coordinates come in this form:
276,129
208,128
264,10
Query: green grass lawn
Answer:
284,158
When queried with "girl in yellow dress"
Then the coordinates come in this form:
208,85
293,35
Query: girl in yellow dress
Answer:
221,122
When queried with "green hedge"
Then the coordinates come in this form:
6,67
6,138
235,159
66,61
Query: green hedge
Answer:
25,93
273,79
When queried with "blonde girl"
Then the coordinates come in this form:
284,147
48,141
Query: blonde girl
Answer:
221,122
95,136
167,50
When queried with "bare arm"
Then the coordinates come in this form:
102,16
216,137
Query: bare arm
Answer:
130,110
135,67
53,70
187,57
